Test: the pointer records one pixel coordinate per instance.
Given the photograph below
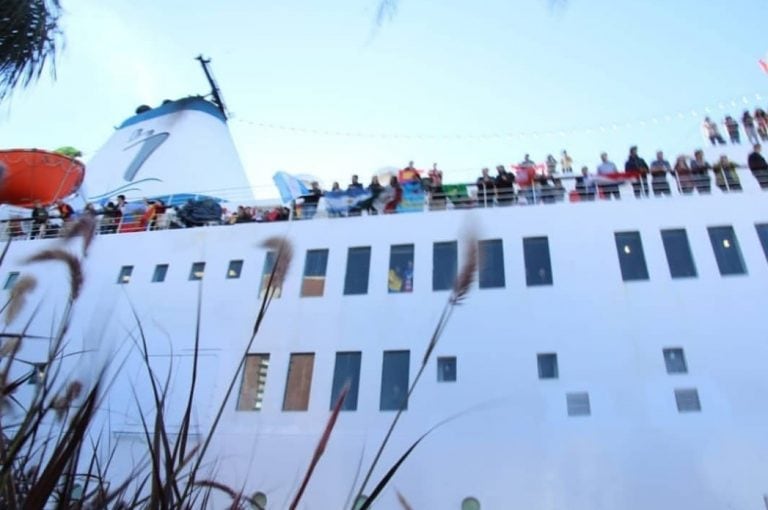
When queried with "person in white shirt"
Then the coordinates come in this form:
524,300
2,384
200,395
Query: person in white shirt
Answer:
607,168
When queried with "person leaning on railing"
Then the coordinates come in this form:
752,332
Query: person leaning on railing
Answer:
700,172
505,186
758,166
486,189
39,220
683,175
659,169
725,175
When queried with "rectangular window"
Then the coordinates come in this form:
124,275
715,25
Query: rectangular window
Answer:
491,264
125,274
687,400
400,277
547,365
762,234
578,404
299,382
444,265
358,268
197,271
315,266
727,252
347,370
674,359
234,269
629,246
678,252
446,369
266,274
11,280
254,380
394,380
159,274
538,268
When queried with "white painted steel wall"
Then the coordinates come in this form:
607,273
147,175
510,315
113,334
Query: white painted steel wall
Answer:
514,446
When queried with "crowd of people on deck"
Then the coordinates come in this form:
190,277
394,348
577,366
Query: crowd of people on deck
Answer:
524,183
755,126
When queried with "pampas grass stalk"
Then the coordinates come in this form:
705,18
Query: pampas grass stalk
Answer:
277,276
459,293
320,449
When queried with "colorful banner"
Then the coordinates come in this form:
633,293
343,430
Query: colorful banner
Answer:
413,197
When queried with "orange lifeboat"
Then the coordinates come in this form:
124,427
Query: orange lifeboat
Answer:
30,175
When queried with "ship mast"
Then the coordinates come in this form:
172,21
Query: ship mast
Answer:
215,92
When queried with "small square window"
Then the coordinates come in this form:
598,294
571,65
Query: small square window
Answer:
198,269
11,280
125,274
578,404
547,366
160,271
674,359
235,268
38,373
688,400
446,369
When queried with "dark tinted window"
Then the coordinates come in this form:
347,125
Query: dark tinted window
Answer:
547,365
491,264
347,369
394,380
11,280
161,270
762,233
358,269
629,246
727,252
125,274
400,277
678,252
538,269
674,359
234,269
197,271
444,265
446,369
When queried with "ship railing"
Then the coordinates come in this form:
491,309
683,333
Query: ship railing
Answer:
557,189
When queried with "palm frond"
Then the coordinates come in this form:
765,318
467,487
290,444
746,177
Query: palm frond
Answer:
29,39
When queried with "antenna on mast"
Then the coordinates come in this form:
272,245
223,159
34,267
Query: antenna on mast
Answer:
215,92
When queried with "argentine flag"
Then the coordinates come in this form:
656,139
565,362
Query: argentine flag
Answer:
290,187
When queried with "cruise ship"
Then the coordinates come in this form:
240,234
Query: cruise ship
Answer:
608,354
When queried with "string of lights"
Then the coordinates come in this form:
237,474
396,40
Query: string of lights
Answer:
746,102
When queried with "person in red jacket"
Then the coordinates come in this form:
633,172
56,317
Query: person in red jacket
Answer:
395,194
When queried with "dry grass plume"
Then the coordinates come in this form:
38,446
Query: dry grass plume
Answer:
72,263
18,298
284,254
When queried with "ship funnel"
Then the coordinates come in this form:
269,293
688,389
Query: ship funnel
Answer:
179,150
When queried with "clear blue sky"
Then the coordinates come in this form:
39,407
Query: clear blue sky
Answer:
448,69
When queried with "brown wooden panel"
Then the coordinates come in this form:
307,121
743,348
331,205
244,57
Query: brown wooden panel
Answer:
299,382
